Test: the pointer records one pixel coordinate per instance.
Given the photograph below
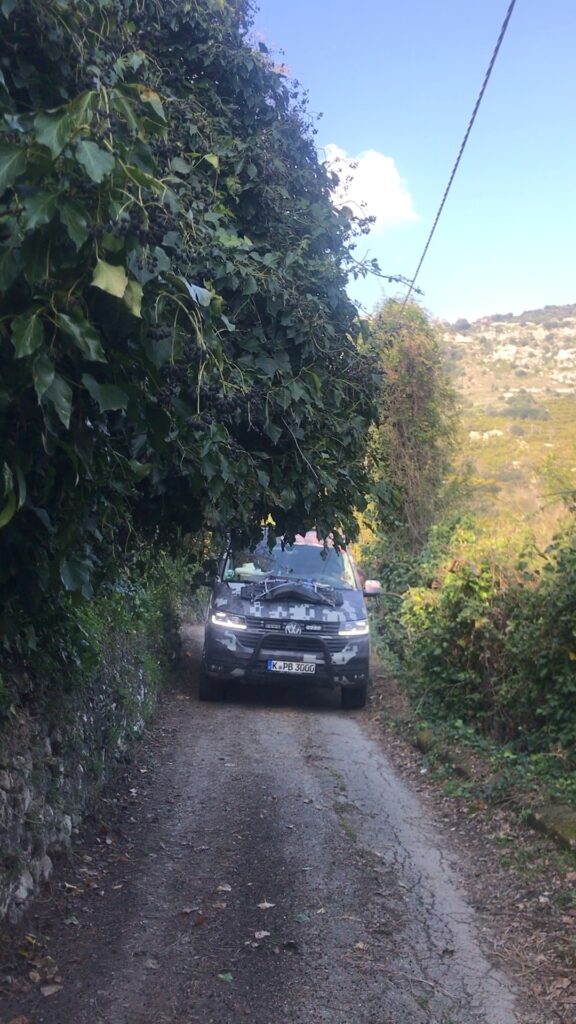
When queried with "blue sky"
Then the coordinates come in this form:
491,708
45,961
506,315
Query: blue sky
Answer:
396,84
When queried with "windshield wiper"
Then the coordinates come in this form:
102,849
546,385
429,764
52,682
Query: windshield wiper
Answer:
275,588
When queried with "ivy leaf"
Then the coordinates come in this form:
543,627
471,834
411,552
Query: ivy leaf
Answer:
53,130
200,295
43,517
151,97
27,333
180,166
42,374
59,394
274,432
8,6
147,180
108,396
8,510
110,279
22,490
162,259
75,574
97,162
139,469
122,105
7,478
39,210
12,164
10,266
136,59
83,334
75,219
133,297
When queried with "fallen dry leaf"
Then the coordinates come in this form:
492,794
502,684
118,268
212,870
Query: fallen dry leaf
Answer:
50,990
560,984
265,905
224,888
20,1020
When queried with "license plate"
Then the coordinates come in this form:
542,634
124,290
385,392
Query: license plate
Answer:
297,667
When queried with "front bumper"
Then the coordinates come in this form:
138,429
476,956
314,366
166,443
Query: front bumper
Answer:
230,656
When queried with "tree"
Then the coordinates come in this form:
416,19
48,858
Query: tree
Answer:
177,350
411,445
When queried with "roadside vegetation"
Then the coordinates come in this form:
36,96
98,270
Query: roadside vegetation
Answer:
177,350
478,615
178,354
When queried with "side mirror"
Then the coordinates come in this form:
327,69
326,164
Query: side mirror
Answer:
372,588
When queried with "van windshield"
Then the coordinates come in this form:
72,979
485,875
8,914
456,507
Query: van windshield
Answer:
305,562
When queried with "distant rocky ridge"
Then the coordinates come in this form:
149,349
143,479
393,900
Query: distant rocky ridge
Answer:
516,379
534,352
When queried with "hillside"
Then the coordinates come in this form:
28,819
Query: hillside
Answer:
516,376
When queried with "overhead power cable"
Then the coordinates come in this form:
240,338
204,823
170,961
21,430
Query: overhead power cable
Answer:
462,148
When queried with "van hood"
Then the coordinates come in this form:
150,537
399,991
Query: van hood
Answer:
286,599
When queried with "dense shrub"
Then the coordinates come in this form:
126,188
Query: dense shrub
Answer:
410,446
495,645
524,407
133,620
177,349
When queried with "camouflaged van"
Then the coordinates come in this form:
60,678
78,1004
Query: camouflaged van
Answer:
295,613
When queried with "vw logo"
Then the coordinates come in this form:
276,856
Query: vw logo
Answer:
293,628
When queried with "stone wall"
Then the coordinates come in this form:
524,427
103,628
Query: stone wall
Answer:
54,759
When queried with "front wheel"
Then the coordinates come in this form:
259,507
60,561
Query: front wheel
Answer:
354,697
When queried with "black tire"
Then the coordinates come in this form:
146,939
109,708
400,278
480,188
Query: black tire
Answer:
354,697
210,689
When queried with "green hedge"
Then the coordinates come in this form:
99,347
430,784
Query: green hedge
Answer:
177,349
495,645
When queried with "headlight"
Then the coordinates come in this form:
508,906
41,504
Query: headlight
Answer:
228,620
358,628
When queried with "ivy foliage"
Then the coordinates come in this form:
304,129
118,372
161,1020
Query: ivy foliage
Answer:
176,346
411,446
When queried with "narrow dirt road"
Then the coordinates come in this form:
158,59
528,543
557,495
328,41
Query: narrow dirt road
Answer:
268,866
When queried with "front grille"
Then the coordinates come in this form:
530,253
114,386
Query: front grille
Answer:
313,628
283,642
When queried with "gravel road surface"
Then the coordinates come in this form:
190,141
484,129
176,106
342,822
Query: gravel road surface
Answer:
269,866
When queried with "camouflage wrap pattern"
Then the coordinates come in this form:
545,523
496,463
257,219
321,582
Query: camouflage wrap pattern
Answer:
269,621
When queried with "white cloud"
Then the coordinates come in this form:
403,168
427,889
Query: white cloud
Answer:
371,184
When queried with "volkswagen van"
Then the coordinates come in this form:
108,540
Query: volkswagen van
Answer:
294,612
